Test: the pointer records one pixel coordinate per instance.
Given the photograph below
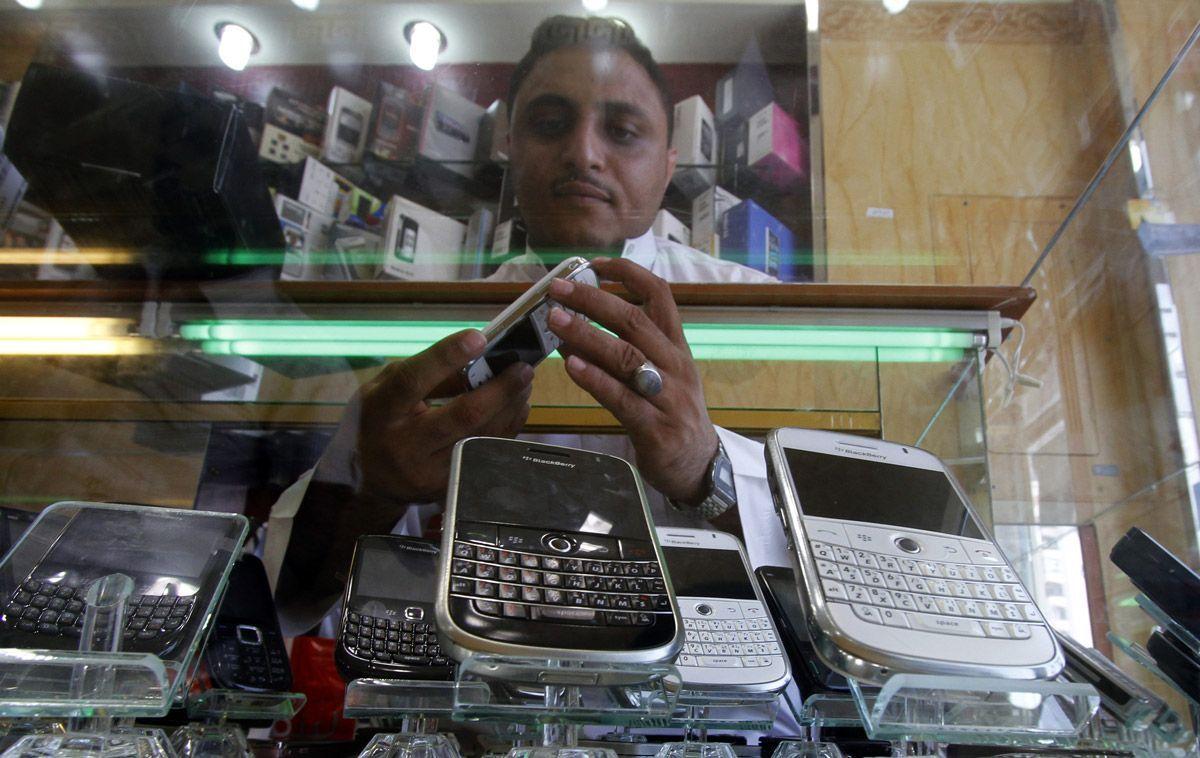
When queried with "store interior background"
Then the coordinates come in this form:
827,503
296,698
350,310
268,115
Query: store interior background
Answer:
954,140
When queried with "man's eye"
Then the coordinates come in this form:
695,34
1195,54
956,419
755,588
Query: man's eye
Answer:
548,125
622,134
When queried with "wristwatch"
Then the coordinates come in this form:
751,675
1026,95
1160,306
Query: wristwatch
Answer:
721,491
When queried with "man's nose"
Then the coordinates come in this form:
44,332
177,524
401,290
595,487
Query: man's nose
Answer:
584,146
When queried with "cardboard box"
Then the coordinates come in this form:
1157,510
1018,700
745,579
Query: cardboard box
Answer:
450,131
695,142
306,237
493,134
361,251
745,90
347,119
707,210
278,146
668,227
510,238
480,229
775,151
395,124
326,191
755,238
421,244
295,116
12,187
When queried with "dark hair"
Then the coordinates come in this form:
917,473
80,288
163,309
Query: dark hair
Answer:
597,33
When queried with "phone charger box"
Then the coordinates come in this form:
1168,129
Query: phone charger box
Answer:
294,116
695,143
421,244
347,118
707,210
326,191
775,149
450,131
395,123
305,236
670,228
755,238
285,148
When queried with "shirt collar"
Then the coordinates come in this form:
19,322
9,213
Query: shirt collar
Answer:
641,250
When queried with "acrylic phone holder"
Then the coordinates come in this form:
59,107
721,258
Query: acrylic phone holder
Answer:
85,615
698,712
214,733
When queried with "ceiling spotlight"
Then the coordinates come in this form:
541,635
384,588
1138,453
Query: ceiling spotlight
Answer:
425,43
32,5
236,45
595,6
895,6
306,5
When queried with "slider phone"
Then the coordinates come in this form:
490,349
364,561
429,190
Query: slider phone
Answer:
730,641
1160,576
551,554
897,573
779,588
245,649
387,625
521,333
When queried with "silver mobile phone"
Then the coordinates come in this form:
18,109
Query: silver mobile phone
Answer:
521,332
730,640
897,573
550,553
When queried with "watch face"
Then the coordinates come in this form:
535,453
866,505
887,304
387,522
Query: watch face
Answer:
722,478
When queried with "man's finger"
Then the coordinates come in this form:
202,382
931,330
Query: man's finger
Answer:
631,409
628,321
467,414
654,292
434,368
615,356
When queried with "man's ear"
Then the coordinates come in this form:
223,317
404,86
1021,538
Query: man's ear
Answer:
672,158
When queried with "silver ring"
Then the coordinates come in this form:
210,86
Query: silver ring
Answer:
647,381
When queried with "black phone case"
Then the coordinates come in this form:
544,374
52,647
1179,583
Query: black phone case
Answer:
1176,660
1160,576
810,673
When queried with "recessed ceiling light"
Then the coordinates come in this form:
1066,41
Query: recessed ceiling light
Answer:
425,43
32,5
308,5
895,6
595,6
236,44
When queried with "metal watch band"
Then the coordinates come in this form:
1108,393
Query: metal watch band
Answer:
721,496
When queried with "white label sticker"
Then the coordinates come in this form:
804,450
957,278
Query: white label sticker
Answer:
880,213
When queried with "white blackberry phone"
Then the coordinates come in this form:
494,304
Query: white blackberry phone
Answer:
897,573
730,640
521,332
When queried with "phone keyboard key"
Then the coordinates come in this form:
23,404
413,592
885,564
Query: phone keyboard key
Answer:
390,640
55,609
554,588
951,598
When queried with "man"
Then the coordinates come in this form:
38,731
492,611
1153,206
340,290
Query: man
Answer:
590,155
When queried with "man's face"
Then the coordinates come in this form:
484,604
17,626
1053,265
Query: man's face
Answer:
589,151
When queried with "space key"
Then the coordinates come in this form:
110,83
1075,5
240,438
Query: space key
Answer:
945,624
566,615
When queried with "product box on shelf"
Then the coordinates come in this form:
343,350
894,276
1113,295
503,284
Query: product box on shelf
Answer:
668,227
493,134
707,210
774,148
278,146
509,239
347,118
360,249
450,131
480,229
421,244
12,187
327,191
306,237
745,90
396,123
293,115
751,236
695,143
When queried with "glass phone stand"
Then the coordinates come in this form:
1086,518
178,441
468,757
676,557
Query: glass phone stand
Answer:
418,705
698,712
976,710
96,690
214,735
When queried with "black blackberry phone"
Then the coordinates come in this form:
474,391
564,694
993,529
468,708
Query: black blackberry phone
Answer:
1160,576
387,626
551,553
1177,660
783,601
245,649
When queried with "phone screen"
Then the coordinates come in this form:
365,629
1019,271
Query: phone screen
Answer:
525,485
396,572
852,489
696,572
520,343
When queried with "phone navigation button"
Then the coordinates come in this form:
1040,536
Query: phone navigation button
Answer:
908,544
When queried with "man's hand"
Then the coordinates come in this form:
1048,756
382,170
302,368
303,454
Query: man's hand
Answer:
671,432
393,447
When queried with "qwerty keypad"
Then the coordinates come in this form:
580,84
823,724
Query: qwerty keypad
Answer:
252,657
936,596
527,585
729,643
388,640
55,609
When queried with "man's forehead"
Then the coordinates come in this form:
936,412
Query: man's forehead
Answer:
586,75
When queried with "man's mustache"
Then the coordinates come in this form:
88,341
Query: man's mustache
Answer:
561,185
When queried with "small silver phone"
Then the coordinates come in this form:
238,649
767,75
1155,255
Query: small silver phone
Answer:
521,333
730,640
897,573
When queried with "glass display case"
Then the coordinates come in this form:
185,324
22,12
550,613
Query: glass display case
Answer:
965,226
